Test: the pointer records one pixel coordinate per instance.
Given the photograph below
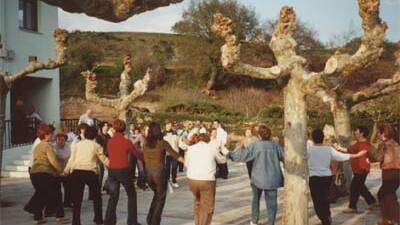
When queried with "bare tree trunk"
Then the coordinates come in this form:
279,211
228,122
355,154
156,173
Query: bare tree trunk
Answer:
296,169
341,119
212,82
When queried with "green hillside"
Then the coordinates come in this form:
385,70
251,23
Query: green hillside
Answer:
179,93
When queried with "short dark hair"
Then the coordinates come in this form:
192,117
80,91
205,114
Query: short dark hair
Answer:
318,136
119,126
62,135
264,132
90,133
364,130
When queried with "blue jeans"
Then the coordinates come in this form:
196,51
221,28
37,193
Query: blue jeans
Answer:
271,200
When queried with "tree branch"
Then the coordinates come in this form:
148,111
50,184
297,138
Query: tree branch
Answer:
139,88
126,81
230,52
371,45
282,42
61,38
90,91
110,10
381,87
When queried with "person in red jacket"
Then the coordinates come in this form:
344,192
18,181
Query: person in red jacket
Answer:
360,167
119,173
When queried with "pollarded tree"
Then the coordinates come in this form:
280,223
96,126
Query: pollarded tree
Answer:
301,83
110,10
7,80
127,93
201,46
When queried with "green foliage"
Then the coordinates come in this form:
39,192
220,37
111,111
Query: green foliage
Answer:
200,46
85,54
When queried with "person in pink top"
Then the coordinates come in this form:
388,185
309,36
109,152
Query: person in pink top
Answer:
390,174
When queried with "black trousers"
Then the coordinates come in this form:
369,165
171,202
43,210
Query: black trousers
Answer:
79,178
319,188
158,183
116,177
180,165
171,168
358,188
66,184
249,166
46,195
222,171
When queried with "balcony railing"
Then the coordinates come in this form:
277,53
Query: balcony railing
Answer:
17,133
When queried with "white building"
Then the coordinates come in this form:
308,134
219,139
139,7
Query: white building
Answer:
26,28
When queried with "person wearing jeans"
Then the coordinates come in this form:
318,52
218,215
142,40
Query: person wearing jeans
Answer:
320,157
154,152
171,165
83,168
266,173
119,172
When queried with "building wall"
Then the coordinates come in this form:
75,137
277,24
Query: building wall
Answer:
25,43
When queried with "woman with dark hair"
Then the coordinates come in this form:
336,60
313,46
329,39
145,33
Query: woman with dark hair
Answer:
82,166
201,158
266,173
155,149
102,139
43,173
319,163
390,174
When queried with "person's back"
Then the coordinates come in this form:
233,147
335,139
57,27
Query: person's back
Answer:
200,162
319,160
266,172
154,158
118,151
86,155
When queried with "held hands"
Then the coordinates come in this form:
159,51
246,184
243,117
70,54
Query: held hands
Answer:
224,150
181,160
361,153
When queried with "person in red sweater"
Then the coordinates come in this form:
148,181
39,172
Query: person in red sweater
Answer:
119,173
360,167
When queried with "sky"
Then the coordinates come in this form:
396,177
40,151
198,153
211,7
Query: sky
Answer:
327,17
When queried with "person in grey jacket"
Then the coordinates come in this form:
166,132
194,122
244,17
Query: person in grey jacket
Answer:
266,174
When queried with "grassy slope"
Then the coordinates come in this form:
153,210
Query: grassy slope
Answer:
241,99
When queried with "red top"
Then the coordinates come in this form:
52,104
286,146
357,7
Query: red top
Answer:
361,164
118,151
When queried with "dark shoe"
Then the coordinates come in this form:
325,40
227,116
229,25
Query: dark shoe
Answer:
28,209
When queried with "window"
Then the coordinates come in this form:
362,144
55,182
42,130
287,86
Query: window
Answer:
28,14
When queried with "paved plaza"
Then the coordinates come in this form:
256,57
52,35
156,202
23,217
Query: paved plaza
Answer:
233,201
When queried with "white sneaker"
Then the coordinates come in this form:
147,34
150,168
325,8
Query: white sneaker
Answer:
175,185
251,223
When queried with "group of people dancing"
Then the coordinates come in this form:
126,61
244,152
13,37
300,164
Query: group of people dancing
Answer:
158,153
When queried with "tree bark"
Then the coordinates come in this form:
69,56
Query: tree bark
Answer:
341,120
110,10
212,82
296,169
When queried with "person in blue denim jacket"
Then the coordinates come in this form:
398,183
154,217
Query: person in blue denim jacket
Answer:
266,174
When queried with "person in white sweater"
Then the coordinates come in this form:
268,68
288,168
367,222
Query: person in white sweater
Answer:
319,161
82,165
201,159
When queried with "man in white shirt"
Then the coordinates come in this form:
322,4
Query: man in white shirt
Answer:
171,164
319,160
222,139
87,118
